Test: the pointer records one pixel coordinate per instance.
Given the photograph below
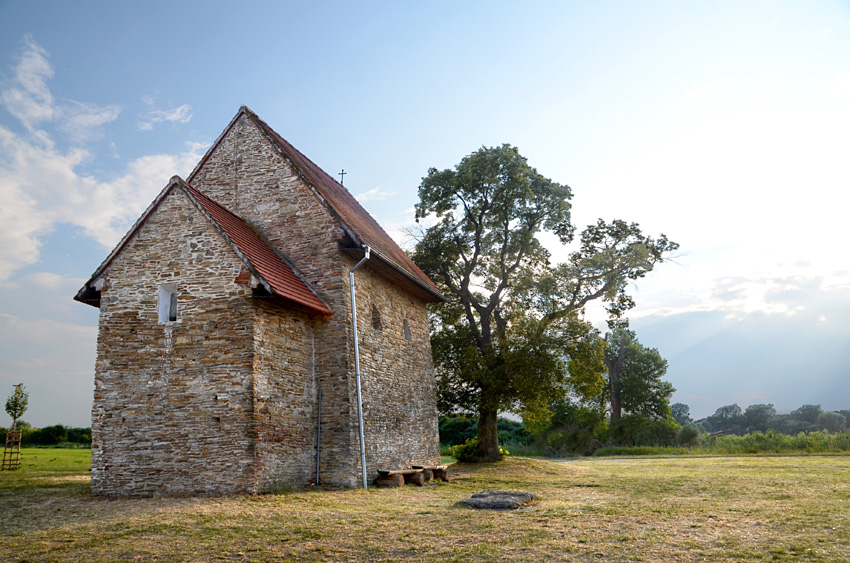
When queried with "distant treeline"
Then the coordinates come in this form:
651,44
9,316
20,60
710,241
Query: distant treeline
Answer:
576,429
56,435
771,442
763,418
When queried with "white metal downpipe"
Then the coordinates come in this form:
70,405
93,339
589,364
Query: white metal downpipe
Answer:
357,365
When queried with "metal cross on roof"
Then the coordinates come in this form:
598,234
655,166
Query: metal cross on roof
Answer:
342,177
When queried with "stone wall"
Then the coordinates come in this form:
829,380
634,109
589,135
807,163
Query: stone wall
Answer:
285,397
173,408
398,386
225,399
245,173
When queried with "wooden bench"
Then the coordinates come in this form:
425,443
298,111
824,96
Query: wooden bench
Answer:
434,471
418,475
400,477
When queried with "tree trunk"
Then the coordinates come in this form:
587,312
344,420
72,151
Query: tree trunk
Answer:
616,409
488,435
614,378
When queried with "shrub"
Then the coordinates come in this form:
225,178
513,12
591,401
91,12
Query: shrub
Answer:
637,430
511,431
468,452
573,429
688,435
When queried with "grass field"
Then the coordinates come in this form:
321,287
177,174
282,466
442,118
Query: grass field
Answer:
794,508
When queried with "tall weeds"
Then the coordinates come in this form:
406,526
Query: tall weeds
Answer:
755,443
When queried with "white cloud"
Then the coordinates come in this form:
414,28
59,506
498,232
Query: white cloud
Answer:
750,180
27,96
40,185
147,121
375,194
82,120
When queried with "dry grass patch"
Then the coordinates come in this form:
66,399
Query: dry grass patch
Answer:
688,509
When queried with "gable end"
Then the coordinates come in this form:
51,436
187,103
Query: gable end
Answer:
276,275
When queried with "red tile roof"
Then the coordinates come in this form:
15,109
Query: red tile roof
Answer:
259,254
354,218
270,268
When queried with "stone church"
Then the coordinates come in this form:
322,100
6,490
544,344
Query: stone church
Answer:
225,353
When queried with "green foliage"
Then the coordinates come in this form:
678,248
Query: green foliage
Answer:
787,424
457,429
511,327
807,413
757,417
467,452
48,436
574,428
17,403
512,432
641,430
79,435
56,435
774,442
688,435
728,417
581,427
763,418
640,388
832,422
681,413
470,452
770,442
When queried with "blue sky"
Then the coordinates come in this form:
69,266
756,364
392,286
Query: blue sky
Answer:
723,125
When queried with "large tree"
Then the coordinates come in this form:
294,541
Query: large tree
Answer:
807,413
681,414
729,418
513,321
634,378
757,417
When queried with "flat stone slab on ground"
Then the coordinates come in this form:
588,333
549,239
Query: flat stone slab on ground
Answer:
496,500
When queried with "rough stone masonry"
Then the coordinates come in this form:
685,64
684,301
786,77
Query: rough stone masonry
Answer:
210,357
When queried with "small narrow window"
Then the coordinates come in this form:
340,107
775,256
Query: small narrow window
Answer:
167,303
376,318
172,308
406,327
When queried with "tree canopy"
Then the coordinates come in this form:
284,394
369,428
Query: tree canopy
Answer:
764,418
638,388
17,403
681,414
512,332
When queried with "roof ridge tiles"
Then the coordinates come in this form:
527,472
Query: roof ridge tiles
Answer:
345,207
